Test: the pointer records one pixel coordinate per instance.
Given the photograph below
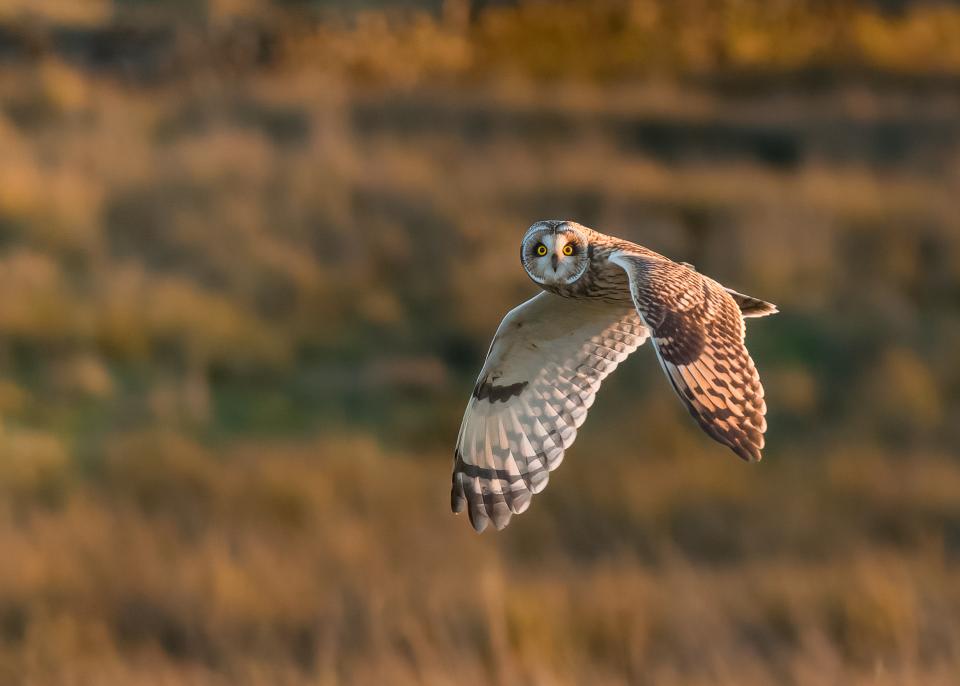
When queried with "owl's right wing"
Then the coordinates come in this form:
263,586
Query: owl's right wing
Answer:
544,368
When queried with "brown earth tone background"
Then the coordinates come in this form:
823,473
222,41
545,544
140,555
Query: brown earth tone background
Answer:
252,254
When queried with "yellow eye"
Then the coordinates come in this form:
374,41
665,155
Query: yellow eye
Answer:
541,250
568,249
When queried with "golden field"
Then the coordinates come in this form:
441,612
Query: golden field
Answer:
251,257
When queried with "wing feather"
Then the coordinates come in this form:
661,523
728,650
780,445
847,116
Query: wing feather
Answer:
540,378
698,332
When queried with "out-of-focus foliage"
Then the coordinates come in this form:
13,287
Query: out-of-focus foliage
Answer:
252,254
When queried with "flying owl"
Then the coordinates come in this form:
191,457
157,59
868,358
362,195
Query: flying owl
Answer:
602,298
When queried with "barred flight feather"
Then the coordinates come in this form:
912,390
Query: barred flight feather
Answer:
698,333
542,373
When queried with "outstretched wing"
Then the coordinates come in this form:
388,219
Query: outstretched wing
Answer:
541,375
698,333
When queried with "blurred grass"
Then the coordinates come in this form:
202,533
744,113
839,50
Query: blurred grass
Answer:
252,256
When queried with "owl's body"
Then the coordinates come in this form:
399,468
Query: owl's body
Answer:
603,298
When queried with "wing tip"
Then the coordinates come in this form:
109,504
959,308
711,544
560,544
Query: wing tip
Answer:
746,449
478,518
458,497
501,519
750,454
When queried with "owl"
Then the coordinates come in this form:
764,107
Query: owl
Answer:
602,298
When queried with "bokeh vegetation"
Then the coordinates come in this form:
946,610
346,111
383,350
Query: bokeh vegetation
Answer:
252,254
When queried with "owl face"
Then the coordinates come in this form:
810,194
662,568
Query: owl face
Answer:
554,252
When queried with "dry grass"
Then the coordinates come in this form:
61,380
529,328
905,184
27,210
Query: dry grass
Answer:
306,564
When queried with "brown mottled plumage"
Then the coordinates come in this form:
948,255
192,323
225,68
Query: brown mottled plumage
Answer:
603,297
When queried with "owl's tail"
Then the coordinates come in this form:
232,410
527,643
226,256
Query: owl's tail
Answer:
752,307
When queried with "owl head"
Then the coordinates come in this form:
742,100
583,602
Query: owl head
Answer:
555,252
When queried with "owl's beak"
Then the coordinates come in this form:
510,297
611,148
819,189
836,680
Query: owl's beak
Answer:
555,260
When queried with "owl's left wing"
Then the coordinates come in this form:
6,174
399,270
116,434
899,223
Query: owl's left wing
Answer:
545,365
698,333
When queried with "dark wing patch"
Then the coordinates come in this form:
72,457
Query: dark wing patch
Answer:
679,339
486,390
699,336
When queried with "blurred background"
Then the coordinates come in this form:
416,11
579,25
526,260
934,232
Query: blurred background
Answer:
252,254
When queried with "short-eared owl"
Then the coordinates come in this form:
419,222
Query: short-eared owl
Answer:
603,297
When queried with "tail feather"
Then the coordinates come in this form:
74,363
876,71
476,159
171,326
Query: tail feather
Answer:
752,307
